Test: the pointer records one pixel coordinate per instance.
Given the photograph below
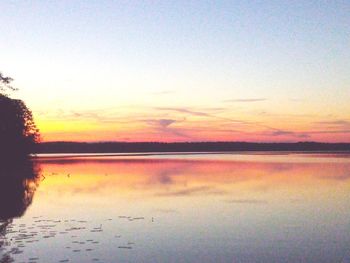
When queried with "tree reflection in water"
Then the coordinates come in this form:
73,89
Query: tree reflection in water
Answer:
18,182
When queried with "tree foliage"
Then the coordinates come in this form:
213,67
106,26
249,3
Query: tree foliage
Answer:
18,132
5,83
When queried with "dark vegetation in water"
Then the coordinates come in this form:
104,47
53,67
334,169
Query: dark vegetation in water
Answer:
18,132
18,183
124,147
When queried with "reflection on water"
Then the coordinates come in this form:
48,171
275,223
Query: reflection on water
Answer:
209,208
18,182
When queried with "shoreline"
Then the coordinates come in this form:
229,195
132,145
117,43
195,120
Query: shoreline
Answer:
145,154
150,148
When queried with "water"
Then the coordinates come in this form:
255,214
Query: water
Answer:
284,207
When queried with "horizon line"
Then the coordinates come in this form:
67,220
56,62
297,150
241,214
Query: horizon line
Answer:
160,142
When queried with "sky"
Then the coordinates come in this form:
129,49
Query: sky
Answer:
265,71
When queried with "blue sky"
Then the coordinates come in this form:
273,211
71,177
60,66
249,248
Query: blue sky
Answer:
127,59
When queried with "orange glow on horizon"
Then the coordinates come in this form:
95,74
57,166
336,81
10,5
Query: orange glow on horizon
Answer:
183,125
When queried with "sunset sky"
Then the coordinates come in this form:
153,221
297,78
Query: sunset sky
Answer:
181,70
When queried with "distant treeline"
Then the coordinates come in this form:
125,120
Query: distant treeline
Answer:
133,147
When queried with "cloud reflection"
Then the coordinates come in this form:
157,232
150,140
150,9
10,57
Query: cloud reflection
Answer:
199,190
247,201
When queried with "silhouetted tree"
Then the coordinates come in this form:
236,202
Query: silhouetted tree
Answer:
18,132
5,83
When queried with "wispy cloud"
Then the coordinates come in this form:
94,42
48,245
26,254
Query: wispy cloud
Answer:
163,123
98,115
205,112
163,126
328,132
184,110
281,133
277,132
334,123
271,131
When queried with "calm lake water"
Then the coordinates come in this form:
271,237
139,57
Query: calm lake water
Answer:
178,208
